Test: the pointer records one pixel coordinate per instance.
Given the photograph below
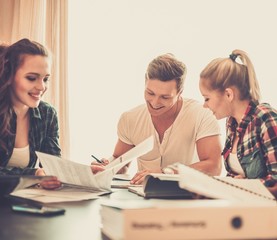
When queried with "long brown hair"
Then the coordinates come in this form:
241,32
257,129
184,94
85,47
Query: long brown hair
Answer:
11,58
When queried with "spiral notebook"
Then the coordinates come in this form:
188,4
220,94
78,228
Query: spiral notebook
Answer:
239,190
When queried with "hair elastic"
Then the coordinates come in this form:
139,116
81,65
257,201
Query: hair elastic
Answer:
233,56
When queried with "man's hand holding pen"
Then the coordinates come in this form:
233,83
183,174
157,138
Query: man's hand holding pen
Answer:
98,165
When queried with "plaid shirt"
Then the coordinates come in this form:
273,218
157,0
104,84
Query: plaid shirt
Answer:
257,146
43,137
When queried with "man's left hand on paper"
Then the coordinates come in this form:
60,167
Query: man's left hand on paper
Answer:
139,176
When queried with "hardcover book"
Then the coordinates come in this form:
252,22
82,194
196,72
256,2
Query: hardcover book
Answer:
165,186
187,219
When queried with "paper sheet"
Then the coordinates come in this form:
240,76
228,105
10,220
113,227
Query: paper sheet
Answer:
70,172
53,196
122,184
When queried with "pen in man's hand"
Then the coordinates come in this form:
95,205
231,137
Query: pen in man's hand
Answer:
98,160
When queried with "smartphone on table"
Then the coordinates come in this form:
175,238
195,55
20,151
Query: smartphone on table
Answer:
38,210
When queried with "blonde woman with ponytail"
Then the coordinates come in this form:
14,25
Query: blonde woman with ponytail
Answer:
231,90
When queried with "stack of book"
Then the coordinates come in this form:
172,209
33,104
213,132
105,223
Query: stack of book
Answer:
212,208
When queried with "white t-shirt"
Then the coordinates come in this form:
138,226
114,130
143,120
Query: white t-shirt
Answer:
20,157
179,143
234,164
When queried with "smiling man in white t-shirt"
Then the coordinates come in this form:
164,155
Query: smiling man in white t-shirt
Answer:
181,127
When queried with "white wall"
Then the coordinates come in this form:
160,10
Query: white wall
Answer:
112,42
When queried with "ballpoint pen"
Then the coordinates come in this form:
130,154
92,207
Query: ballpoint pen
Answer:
98,160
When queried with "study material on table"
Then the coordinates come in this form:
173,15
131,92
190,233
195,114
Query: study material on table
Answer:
65,194
187,219
122,181
193,184
123,184
233,189
78,181
80,176
25,189
123,177
158,185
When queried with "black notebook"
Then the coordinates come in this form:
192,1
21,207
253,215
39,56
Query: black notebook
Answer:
162,186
